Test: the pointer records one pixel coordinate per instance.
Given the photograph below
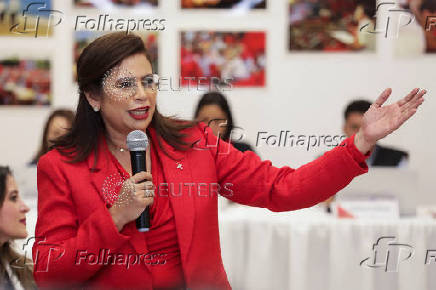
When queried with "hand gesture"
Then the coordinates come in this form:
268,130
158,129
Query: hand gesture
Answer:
380,121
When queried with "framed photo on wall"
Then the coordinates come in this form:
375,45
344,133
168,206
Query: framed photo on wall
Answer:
238,58
336,25
25,82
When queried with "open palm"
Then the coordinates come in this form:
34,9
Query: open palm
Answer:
379,121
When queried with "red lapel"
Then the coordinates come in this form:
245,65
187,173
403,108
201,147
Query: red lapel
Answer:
181,203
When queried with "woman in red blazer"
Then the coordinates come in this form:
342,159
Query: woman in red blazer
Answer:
88,200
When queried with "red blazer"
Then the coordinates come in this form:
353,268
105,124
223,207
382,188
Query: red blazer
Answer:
73,216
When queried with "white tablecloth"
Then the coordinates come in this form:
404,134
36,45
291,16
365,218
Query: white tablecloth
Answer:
310,250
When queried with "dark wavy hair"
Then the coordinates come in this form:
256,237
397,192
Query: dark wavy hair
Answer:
97,58
44,147
8,255
216,98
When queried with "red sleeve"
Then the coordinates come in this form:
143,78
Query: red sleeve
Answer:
257,183
60,237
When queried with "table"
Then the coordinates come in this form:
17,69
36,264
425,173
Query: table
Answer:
308,249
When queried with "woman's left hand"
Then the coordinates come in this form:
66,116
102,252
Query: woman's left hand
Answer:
379,121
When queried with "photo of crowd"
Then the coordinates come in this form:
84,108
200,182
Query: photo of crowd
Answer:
331,25
232,57
35,20
115,3
224,4
24,82
83,38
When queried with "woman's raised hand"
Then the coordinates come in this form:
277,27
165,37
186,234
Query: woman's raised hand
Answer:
379,121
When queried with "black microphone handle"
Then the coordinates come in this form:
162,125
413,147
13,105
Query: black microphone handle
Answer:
137,159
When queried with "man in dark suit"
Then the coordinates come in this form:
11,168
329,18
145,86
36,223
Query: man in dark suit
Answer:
381,155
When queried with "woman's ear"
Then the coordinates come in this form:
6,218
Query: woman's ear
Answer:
93,101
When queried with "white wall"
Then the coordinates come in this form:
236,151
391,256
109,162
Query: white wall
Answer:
305,93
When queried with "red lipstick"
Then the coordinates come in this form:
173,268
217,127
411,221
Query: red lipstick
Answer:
139,113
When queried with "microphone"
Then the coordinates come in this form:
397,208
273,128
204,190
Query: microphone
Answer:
137,142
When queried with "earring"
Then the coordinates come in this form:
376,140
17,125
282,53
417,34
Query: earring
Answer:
96,109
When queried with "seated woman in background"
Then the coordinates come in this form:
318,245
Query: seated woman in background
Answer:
214,110
15,270
57,124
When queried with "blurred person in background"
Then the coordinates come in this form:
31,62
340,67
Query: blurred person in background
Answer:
2,11
426,16
57,124
381,155
15,269
214,110
419,36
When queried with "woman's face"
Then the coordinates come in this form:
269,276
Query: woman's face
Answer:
129,95
57,127
215,118
12,213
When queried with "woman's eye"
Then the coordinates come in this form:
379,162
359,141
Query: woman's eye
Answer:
148,82
13,197
125,84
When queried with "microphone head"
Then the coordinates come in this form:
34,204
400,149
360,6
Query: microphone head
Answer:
137,141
